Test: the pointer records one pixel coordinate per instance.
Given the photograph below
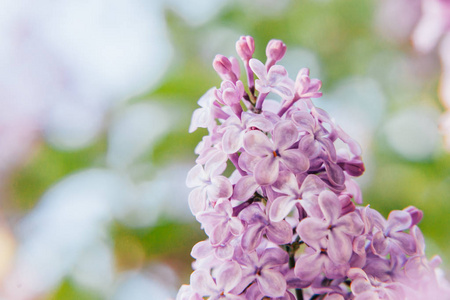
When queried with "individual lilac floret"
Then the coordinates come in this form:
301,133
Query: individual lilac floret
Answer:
315,261
264,269
187,293
234,129
292,192
337,230
228,277
220,223
209,184
304,88
204,116
230,94
390,238
274,80
260,225
364,287
274,153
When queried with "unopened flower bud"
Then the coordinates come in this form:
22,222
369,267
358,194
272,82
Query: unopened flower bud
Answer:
275,51
245,47
224,68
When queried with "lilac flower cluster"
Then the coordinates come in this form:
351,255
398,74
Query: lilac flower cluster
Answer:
284,224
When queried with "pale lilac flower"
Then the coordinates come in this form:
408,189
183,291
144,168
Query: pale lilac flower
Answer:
253,292
209,184
390,237
245,188
418,267
364,287
294,190
228,277
289,187
231,94
187,293
234,129
305,87
315,141
338,230
274,80
258,225
204,116
264,268
204,249
285,134
220,223
315,261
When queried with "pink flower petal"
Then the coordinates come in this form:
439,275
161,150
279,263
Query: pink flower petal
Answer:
266,170
405,241
219,233
201,250
228,276
350,224
271,283
272,257
339,247
285,134
281,207
380,244
252,237
202,282
330,206
232,140
248,162
224,252
399,220
312,230
286,183
257,143
236,227
220,187
258,68
295,160
197,200
195,176
279,232
335,173
245,188
308,266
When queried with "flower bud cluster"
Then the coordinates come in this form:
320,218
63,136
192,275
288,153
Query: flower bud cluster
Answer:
285,223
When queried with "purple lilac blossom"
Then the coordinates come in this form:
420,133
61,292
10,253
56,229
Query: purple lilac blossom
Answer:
286,224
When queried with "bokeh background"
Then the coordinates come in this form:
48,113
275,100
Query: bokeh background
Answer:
96,98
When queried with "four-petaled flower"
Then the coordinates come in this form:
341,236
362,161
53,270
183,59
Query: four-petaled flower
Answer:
274,152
